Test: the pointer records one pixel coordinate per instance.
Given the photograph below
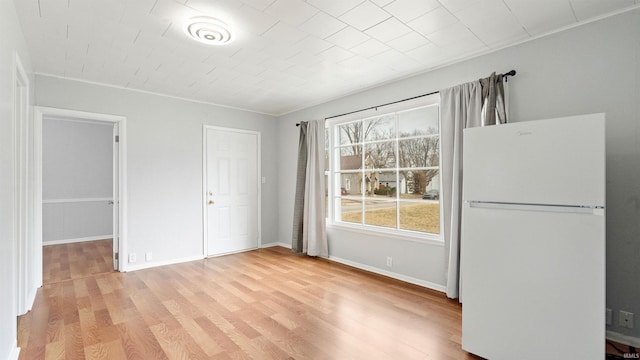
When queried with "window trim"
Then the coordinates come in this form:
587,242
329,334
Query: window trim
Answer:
333,143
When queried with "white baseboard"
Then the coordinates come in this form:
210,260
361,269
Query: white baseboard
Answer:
15,353
623,339
31,298
268,245
135,267
69,241
390,274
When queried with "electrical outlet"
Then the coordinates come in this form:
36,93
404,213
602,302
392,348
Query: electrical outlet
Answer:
148,256
132,257
389,261
625,319
608,316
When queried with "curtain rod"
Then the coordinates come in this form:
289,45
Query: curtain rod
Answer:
510,73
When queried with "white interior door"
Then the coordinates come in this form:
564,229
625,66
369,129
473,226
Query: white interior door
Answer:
231,190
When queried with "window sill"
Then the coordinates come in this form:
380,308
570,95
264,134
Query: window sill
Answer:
430,239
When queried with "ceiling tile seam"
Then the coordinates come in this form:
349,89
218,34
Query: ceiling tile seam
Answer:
153,7
412,30
337,17
376,24
418,32
467,27
330,35
258,9
380,8
270,27
137,36
573,11
516,17
166,30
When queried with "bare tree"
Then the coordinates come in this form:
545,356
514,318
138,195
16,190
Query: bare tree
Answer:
357,131
419,149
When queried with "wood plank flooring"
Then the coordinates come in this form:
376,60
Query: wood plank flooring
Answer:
76,260
263,304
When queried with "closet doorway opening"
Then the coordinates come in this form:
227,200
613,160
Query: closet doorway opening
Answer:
81,193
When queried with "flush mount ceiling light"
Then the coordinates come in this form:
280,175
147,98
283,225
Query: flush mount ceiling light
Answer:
208,30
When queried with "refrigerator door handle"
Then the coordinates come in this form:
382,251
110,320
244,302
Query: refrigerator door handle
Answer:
576,209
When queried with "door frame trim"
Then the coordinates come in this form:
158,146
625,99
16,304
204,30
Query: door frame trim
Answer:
40,113
22,127
205,223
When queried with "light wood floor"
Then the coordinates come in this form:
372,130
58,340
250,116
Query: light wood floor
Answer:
76,260
263,304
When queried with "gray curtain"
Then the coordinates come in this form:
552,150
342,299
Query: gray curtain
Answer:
309,227
493,99
298,206
478,103
461,107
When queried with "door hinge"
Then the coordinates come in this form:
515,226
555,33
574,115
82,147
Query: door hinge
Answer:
117,256
117,138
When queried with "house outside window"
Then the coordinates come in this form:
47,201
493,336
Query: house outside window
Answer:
385,167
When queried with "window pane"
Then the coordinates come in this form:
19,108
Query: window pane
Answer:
380,155
350,184
421,121
419,152
350,158
350,133
388,184
423,181
380,127
380,211
420,216
350,209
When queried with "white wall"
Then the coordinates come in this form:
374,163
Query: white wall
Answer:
589,69
11,42
77,169
164,164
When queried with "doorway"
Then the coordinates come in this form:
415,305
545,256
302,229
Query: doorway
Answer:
80,228
231,170
77,197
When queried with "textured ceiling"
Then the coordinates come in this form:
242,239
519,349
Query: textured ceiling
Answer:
285,54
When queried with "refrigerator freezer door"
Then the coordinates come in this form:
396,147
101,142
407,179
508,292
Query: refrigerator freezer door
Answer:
533,284
557,161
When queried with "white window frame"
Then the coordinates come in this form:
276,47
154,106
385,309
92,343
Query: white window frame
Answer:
333,186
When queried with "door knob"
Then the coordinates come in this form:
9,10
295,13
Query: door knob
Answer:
210,202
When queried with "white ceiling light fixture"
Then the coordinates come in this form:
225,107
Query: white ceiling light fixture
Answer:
209,30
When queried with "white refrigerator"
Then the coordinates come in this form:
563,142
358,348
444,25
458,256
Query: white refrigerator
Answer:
533,239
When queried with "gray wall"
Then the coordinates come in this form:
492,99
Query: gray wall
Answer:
11,43
77,166
164,162
589,69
